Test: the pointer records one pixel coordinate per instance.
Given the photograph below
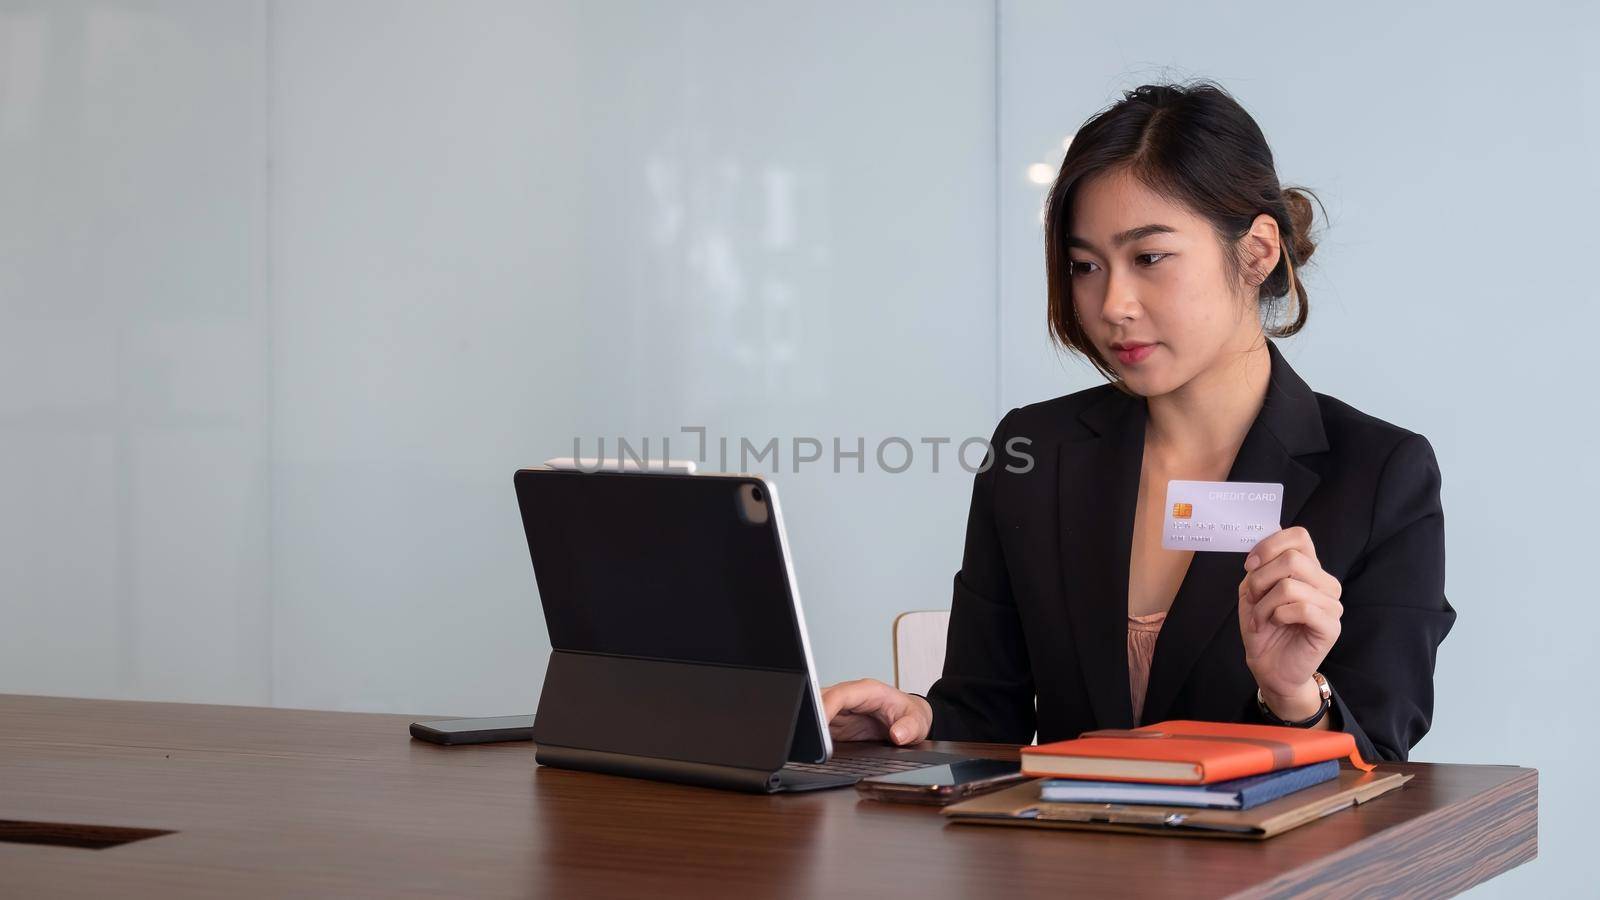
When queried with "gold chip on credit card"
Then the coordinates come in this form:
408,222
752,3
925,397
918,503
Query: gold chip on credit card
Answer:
1182,510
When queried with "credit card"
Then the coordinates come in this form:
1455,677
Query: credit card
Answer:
1227,516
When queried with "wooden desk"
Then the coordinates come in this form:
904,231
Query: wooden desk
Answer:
271,802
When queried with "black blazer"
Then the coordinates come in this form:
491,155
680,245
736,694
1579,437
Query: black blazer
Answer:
1041,601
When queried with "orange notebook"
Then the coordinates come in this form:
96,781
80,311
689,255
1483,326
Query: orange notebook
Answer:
1187,752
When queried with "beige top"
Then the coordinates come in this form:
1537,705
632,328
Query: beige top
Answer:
1142,633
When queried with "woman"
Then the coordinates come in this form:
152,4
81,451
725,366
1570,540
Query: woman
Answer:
1171,254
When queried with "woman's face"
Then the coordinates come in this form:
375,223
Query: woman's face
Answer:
1151,285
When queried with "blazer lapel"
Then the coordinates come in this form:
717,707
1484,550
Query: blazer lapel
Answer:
1289,425
1098,485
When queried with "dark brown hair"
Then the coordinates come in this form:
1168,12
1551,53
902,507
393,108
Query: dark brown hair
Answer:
1195,144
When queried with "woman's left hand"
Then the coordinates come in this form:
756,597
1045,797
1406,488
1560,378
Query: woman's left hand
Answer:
1288,612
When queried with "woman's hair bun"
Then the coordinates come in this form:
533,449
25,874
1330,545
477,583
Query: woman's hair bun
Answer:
1298,201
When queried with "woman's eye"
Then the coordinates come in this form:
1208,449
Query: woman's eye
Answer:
1080,267
1153,257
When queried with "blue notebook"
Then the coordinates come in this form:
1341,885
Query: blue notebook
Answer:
1240,793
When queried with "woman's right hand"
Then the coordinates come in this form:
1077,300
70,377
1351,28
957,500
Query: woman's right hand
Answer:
869,710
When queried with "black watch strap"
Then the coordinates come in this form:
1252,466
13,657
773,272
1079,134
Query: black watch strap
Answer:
1323,688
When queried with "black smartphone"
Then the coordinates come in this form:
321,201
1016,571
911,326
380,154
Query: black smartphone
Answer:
939,785
474,731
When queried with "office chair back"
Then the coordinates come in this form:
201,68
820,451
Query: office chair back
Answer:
919,639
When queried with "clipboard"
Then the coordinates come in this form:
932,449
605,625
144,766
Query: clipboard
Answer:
1021,806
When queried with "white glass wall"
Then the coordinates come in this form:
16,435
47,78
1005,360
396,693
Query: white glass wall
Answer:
291,289
134,382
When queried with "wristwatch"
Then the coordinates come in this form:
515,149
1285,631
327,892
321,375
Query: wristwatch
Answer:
1327,701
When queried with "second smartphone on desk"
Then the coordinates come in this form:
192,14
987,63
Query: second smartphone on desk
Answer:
474,731
939,785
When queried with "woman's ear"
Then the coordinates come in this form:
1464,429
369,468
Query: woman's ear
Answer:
1260,248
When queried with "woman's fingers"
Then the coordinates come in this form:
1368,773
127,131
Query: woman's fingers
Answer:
868,709
861,695
1291,563
1315,618
853,727
908,729
1288,590
1247,605
1269,547
1294,602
